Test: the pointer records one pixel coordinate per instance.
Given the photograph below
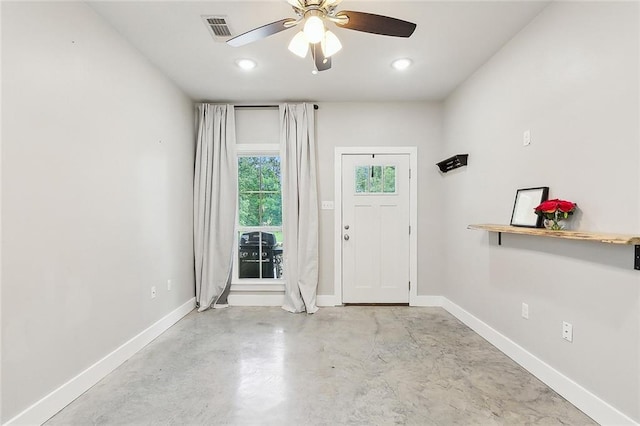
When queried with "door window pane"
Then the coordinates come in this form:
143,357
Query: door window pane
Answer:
389,179
362,179
375,179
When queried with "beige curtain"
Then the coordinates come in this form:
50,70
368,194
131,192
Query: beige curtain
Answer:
299,207
214,204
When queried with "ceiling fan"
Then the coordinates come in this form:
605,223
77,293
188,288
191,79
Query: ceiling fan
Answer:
315,37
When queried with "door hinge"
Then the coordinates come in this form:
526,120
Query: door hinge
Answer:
409,173
409,285
409,229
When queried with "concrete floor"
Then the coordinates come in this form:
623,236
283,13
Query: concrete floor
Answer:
352,365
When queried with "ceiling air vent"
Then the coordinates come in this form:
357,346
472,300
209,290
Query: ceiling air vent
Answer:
218,27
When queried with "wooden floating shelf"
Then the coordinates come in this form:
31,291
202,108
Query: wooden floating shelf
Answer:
570,235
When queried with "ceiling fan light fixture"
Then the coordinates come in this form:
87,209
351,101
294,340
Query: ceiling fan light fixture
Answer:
314,29
299,45
330,44
313,16
401,64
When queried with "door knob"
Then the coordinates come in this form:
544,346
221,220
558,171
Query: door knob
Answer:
346,237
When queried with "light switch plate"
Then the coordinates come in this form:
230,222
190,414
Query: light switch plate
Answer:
327,205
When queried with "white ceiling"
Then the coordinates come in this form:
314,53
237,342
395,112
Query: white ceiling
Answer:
452,40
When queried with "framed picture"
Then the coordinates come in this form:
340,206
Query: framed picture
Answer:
527,199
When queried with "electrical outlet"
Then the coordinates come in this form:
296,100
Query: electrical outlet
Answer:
526,138
168,285
525,311
567,331
153,292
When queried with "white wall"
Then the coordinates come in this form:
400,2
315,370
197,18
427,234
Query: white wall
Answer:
571,77
368,124
385,124
97,168
257,126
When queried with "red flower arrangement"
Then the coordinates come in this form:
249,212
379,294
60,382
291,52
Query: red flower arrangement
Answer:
553,211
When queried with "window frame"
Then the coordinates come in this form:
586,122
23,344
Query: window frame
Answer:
253,284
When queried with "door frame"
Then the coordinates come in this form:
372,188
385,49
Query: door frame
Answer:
412,151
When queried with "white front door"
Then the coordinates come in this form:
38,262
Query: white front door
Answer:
375,228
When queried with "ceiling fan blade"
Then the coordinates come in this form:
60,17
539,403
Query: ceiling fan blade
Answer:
261,32
322,63
376,24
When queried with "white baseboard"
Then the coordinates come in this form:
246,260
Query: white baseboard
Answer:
426,301
587,402
240,299
45,408
327,301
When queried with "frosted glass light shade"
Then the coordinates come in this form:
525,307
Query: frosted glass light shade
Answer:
299,45
314,29
330,44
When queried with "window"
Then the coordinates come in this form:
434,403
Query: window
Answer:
260,245
375,179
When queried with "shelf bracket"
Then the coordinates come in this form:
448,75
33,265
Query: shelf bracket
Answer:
500,242
636,264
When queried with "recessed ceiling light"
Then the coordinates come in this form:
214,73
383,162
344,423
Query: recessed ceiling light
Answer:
401,64
246,64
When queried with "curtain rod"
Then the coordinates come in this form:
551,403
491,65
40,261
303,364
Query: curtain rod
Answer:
315,106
